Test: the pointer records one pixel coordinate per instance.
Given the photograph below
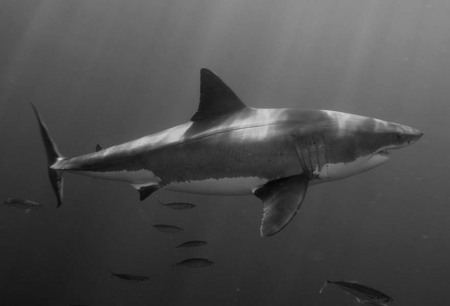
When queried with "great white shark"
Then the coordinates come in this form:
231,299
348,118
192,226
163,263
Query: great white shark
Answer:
228,148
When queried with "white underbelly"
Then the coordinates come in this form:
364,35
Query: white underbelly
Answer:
341,170
222,186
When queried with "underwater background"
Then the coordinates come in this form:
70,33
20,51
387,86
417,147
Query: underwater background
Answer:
108,71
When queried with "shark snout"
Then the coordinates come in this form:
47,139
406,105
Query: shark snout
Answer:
418,133
413,135
403,136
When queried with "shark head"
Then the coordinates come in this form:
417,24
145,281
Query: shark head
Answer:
356,144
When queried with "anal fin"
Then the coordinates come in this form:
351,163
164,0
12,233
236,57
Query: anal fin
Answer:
282,200
146,190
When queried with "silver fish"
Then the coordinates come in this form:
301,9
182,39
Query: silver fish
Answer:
361,293
129,277
194,263
193,243
178,205
170,229
22,204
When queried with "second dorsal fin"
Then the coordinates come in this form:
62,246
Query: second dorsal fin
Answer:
216,98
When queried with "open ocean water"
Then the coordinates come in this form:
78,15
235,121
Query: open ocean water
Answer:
108,71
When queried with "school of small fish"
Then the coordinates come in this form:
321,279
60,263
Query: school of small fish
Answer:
172,229
363,294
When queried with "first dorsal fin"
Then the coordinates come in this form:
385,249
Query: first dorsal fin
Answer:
216,98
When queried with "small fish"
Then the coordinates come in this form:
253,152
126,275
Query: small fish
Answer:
193,243
194,263
170,229
362,294
98,148
22,203
129,277
178,205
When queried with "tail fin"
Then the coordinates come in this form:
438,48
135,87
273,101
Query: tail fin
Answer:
110,271
53,155
324,286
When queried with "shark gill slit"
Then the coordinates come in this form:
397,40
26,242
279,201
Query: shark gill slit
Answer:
299,155
325,149
317,148
299,145
310,155
321,151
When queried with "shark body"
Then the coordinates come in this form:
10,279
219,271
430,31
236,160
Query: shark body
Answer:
229,148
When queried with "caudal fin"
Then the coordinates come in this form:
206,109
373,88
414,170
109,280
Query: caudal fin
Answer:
53,156
111,272
324,286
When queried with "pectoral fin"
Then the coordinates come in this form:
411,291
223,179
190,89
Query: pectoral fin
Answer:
282,200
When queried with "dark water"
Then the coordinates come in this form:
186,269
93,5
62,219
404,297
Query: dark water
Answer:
104,72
